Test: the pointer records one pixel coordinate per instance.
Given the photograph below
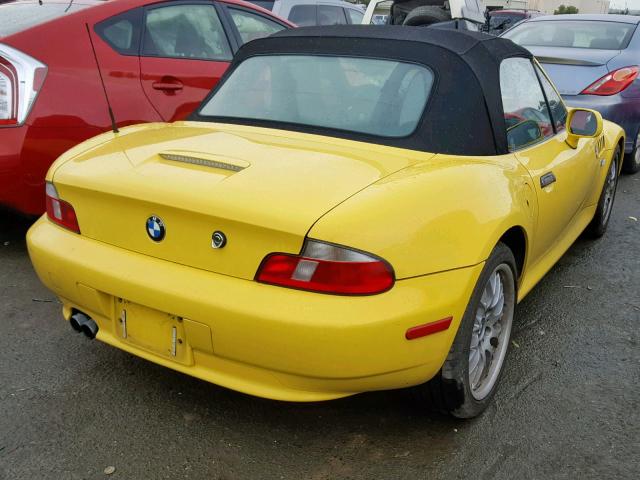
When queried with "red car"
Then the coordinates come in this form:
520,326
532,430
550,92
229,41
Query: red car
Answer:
71,70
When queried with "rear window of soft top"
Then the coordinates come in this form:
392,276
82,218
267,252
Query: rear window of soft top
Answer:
373,96
17,17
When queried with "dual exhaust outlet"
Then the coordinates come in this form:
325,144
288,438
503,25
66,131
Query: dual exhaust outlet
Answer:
85,324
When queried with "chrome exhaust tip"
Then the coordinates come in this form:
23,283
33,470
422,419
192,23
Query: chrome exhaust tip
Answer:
85,324
90,329
77,320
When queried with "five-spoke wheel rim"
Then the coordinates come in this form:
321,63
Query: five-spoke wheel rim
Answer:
609,190
491,331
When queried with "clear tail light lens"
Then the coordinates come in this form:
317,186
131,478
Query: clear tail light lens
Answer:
7,103
613,82
59,211
21,78
328,268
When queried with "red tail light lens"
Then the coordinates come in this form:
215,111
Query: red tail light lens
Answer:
327,268
613,82
21,78
59,211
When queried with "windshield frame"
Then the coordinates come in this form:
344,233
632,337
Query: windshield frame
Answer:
316,129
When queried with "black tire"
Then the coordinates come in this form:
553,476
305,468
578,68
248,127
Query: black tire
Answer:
598,225
631,162
426,15
450,391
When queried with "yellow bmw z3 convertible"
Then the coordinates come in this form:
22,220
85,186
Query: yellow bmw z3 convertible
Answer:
351,209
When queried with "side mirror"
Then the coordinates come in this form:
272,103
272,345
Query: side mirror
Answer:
583,123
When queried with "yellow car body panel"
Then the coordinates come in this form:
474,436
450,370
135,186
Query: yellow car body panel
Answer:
428,226
434,218
566,207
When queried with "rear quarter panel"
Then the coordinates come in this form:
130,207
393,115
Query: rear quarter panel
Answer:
441,214
71,104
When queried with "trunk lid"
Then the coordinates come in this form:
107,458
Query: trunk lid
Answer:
573,69
262,188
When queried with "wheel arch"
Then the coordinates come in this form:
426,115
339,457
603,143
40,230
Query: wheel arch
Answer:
515,238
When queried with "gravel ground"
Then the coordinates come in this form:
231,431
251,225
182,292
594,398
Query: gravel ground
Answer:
567,405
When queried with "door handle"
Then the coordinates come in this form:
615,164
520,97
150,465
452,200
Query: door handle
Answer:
167,87
547,179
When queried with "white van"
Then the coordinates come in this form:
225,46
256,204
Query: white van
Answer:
306,13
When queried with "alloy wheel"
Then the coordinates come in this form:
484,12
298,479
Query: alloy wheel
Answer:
609,190
491,331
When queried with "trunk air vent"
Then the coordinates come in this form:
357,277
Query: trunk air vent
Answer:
201,161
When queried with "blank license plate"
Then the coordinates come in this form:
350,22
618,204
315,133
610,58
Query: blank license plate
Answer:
152,330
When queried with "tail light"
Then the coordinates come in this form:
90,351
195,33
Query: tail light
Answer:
21,78
327,268
59,211
613,82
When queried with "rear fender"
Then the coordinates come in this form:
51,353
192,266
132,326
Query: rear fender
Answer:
437,215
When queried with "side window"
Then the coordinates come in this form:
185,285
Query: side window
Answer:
252,26
526,115
122,32
558,110
355,16
185,31
303,15
330,15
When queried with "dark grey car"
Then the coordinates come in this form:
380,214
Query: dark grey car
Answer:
594,61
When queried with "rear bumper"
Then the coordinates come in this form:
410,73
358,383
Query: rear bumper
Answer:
616,108
263,340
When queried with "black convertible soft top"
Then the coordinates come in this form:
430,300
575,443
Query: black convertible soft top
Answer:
464,113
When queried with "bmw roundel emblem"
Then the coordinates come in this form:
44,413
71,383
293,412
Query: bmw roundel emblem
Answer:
155,228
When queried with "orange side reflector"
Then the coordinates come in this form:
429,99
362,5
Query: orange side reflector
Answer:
428,328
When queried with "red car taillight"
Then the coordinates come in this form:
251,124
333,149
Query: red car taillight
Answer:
21,78
613,82
327,268
59,211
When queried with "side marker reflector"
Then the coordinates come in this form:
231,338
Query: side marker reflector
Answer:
428,328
